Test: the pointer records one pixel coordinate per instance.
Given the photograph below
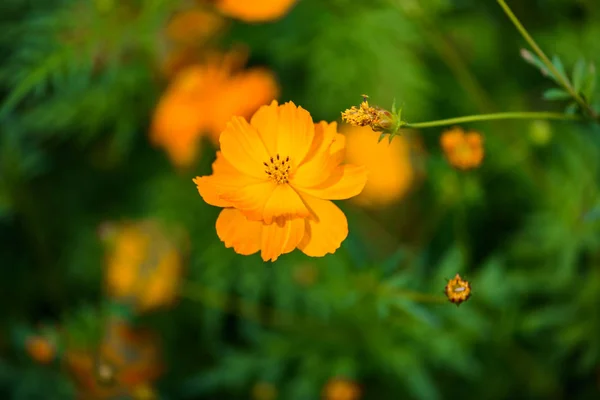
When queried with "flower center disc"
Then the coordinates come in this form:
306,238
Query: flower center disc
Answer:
277,168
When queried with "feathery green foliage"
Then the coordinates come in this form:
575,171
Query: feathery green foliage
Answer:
79,84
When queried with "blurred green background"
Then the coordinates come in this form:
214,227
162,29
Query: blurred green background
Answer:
80,81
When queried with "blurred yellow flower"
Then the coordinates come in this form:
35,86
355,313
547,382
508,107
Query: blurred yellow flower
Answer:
41,349
255,10
201,100
463,150
125,364
391,170
275,176
143,266
341,389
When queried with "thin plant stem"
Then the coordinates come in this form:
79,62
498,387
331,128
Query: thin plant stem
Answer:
495,116
564,82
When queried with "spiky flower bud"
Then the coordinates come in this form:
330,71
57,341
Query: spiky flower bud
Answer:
377,118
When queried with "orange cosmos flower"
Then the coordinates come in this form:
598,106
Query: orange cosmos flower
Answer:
275,176
125,364
392,161
193,25
143,266
463,150
341,389
186,37
255,10
201,100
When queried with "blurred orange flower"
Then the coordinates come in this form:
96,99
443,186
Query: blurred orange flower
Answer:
255,10
201,100
341,389
275,176
392,161
41,349
463,150
193,25
187,35
125,364
143,265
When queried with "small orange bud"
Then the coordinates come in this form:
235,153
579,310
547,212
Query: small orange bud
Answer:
40,349
458,290
341,389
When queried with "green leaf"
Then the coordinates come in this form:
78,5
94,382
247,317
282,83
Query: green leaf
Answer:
418,312
571,109
590,83
556,94
532,59
393,261
559,66
579,75
381,137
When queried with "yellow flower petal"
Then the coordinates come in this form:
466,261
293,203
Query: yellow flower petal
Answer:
338,149
208,187
248,237
236,231
346,181
225,179
255,11
318,163
295,132
265,121
325,233
242,147
281,238
284,202
286,130
251,199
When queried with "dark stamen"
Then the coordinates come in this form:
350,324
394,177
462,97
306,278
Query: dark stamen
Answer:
271,160
266,165
277,156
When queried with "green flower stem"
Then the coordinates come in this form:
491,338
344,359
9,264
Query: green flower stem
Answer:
562,79
490,117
